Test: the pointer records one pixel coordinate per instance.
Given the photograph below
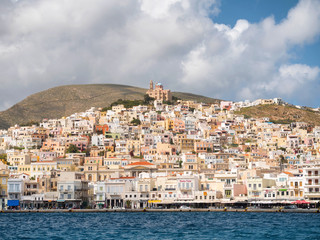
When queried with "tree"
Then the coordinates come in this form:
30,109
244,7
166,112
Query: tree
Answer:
72,149
168,102
175,98
131,153
128,204
3,158
136,122
282,160
147,99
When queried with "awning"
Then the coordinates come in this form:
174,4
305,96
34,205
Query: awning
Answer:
13,203
154,201
300,202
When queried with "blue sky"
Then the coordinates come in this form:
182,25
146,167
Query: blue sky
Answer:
257,10
228,49
253,10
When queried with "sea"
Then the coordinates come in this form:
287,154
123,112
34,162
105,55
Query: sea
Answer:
160,225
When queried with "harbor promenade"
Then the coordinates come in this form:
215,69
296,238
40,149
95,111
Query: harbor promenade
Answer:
280,210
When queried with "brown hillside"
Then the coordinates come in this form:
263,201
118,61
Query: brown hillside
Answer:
282,114
65,100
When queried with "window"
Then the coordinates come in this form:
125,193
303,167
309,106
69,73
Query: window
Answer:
69,196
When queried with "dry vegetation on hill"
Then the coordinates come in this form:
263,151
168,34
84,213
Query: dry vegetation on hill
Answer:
65,100
282,114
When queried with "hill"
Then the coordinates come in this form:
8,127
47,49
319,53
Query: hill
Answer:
282,114
65,100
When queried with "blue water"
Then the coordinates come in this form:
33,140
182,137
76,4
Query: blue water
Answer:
178,225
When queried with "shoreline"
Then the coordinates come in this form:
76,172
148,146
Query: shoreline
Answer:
161,210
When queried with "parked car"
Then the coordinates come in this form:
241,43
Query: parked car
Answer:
290,207
116,207
185,207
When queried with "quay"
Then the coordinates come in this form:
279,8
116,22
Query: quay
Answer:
279,210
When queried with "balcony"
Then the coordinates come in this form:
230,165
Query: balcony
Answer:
313,194
312,184
312,176
114,193
143,191
169,189
185,189
65,190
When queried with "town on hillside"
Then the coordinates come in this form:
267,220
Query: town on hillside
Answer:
160,152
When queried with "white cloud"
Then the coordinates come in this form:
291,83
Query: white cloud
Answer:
46,43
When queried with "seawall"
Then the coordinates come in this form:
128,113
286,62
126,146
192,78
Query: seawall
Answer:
163,210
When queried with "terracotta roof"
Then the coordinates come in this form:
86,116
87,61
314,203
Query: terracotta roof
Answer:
139,163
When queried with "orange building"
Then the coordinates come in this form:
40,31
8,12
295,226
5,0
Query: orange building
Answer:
102,128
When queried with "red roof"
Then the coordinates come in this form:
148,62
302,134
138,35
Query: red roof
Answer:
139,163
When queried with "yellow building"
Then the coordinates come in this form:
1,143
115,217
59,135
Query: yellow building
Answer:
38,169
4,175
17,158
134,146
25,169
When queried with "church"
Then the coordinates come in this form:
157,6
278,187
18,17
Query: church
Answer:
159,93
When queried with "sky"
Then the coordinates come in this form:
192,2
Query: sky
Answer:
227,49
